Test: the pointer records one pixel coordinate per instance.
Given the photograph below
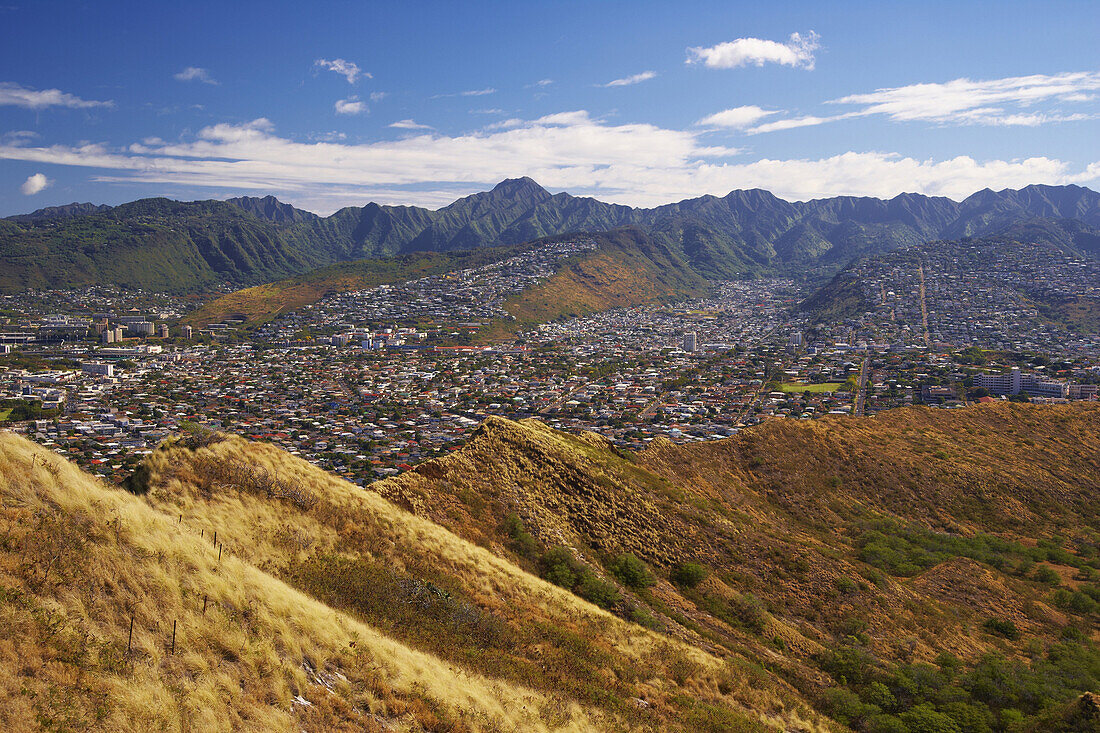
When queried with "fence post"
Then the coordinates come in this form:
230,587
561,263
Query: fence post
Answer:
130,641
173,638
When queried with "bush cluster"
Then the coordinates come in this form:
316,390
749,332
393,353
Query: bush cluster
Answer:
995,694
559,566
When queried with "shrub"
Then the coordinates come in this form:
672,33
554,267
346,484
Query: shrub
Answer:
558,566
643,617
924,718
1000,627
631,571
1076,602
886,724
749,612
522,542
845,706
879,695
689,574
846,586
595,589
1046,575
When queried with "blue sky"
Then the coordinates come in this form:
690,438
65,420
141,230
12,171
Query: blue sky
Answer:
331,104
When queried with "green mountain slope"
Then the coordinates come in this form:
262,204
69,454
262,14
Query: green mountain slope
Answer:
155,244
174,246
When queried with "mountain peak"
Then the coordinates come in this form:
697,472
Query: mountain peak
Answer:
522,186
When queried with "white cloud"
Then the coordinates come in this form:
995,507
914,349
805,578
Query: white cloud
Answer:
798,52
378,96
736,118
328,137
542,83
350,106
628,80
792,123
34,184
467,93
18,137
16,95
348,69
629,163
979,102
1008,102
194,73
409,125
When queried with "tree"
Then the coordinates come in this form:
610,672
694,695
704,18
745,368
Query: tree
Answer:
924,718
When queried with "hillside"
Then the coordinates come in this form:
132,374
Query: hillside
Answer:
627,268
851,557
261,303
300,602
1043,264
155,244
164,245
890,573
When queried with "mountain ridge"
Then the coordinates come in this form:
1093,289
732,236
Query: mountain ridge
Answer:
744,232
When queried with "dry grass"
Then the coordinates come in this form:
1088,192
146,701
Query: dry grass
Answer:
79,558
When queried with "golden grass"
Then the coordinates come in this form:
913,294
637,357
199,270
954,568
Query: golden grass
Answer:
261,643
239,665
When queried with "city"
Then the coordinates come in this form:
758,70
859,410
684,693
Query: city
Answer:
370,383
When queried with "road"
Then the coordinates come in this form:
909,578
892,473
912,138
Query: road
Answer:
861,393
923,307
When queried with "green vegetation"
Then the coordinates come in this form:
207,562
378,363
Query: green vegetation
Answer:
19,410
559,566
155,244
994,694
903,549
799,387
1007,629
631,572
689,574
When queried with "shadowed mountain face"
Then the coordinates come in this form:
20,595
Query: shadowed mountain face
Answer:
744,232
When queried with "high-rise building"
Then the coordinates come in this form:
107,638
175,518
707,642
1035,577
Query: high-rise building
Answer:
1016,382
796,338
98,367
691,342
188,332
162,330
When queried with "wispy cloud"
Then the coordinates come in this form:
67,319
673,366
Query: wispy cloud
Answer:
34,184
350,106
348,69
16,95
541,83
467,93
797,52
1009,102
628,80
18,137
195,73
736,118
630,163
409,125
